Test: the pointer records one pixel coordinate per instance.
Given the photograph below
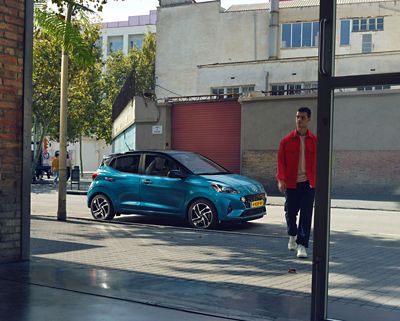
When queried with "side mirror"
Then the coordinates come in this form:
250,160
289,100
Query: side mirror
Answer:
175,173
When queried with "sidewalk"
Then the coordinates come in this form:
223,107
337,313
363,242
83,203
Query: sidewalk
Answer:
352,203
99,271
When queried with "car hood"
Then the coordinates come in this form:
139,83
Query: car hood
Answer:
242,183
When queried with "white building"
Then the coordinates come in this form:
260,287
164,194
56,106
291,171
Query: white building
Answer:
124,35
203,49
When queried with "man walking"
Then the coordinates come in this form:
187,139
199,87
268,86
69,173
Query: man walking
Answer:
55,167
296,179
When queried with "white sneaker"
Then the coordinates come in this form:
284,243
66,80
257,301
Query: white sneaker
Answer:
292,245
301,252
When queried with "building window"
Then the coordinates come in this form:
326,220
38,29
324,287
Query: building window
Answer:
378,87
300,34
277,90
217,91
245,90
135,41
293,89
232,91
344,32
115,44
370,24
366,43
379,24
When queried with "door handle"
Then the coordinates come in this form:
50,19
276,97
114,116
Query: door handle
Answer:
147,182
109,179
322,42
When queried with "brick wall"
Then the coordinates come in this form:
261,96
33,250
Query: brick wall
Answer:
354,173
11,128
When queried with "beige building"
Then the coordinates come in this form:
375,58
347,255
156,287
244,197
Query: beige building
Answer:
270,57
253,48
124,35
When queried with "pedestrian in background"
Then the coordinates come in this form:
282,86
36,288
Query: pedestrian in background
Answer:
296,179
68,163
55,167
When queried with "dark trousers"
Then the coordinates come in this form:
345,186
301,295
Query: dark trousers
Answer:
300,199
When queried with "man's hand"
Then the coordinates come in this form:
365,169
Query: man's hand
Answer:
282,186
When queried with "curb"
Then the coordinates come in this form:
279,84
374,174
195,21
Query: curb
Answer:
72,192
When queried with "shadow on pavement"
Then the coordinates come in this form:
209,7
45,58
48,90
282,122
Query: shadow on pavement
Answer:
363,270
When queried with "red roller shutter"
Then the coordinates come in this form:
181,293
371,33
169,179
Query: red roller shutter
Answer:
209,128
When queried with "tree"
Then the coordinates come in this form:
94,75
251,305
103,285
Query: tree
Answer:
117,68
46,90
85,91
68,35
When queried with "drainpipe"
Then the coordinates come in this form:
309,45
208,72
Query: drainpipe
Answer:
255,35
273,29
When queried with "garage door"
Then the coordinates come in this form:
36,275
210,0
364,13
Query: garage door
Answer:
209,128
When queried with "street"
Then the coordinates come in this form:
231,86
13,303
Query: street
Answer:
364,259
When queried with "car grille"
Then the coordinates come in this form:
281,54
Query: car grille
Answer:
254,197
253,211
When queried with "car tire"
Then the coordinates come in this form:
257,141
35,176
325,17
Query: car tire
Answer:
202,214
101,208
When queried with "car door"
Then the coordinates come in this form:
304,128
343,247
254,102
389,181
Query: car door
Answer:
160,193
125,181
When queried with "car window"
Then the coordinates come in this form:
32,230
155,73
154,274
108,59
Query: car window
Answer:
127,164
158,165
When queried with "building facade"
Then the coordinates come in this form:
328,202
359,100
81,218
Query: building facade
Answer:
253,48
268,54
125,35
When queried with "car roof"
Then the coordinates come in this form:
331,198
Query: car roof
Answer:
158,151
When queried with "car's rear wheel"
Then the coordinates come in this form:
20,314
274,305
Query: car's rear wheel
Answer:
101,208
202,214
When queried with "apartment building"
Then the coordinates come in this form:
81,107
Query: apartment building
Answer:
125,35
252,47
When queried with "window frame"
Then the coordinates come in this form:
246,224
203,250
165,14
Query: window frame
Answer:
114,163
346,33
314,32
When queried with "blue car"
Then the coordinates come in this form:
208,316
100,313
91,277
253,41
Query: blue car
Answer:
173,183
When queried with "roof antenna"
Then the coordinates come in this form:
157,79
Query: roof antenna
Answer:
129,149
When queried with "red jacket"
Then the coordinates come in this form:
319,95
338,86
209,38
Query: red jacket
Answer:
289,155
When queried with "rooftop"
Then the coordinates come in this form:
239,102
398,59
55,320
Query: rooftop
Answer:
294,4
141,20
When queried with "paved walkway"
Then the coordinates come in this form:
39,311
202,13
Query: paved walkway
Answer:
218,274
81,269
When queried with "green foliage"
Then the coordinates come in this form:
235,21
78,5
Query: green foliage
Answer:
144,64
93,86
46,83
117,68
65,34
96,4
84,84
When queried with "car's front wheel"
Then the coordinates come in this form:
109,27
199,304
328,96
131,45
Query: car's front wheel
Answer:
101,208
202,214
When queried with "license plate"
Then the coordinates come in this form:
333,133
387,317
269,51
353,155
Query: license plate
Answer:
257,203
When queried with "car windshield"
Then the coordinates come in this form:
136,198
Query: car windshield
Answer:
199,164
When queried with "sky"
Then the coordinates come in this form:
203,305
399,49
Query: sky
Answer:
121,10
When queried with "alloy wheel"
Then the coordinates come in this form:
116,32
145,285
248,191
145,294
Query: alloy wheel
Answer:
101,208
202,215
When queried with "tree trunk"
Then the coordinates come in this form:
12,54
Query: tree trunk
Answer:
62,186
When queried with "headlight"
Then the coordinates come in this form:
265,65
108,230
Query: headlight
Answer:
224,189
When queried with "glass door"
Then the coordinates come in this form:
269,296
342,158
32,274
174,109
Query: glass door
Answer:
358,78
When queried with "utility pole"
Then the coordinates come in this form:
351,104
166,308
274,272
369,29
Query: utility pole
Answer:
62,186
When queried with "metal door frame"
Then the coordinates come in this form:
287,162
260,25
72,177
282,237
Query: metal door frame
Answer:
327,83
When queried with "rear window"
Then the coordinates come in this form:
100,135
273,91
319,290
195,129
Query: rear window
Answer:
127,164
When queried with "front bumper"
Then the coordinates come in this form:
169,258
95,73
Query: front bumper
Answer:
232,208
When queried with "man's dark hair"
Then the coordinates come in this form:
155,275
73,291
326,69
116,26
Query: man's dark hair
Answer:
305,110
